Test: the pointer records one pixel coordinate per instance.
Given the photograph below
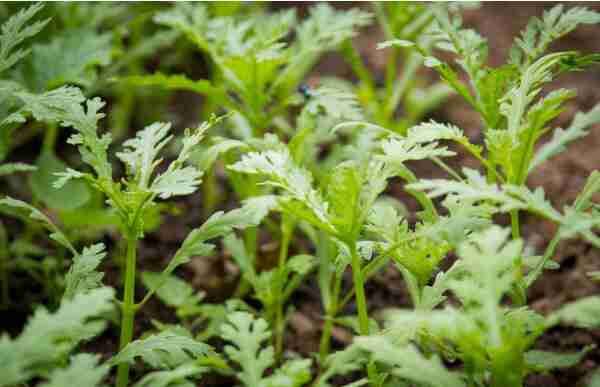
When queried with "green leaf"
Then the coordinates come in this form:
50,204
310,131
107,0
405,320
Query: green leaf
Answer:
173,82
14,31
219,224
71,196
561,138
55,233
10,168
475,188
280,171
175,377
92,147
173,291
181,181
554,24
542,361
408,363
49,337
83,370
293,373
166,349
208,157
583,313
52,106
82,276
246,335
70,57
141,153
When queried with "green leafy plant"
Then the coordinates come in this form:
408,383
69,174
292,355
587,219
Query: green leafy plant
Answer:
491,340
316,171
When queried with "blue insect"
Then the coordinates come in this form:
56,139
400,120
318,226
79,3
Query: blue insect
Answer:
305,90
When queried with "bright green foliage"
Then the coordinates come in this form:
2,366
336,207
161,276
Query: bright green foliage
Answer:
399,22
253,60
246,335
323,159
490,339
173,292
140,158
408,363
83,370
82,275
163,350
174,377
48,338
14,31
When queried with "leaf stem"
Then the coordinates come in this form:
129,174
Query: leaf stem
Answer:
514,223
287,229
330,313
361,305
127,308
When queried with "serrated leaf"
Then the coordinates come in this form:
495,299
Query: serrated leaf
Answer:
247,334
83,370
49,337
82,276
408,363
33,213
562,137
52,106
141,153
280,171
175,377
219,224
173,291
68,58
166,349
293,373
72,195
542,361
172,82
14,31
583,313
10,168
539,33
182,181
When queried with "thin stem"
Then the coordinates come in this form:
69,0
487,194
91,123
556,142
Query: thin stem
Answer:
550,249
4,266
127,308
330,313
50,138
514,223
361,305
286,234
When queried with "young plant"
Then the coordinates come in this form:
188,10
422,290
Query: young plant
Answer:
408,91
493,341
514,113
42,351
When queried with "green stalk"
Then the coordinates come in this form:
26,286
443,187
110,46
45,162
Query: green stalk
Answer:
330,313
286,235
4,266
361,305
514,224
127,308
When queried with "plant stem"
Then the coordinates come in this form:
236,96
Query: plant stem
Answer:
4,266
127,308
547,255
330,313
361,305
286,235
514,223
